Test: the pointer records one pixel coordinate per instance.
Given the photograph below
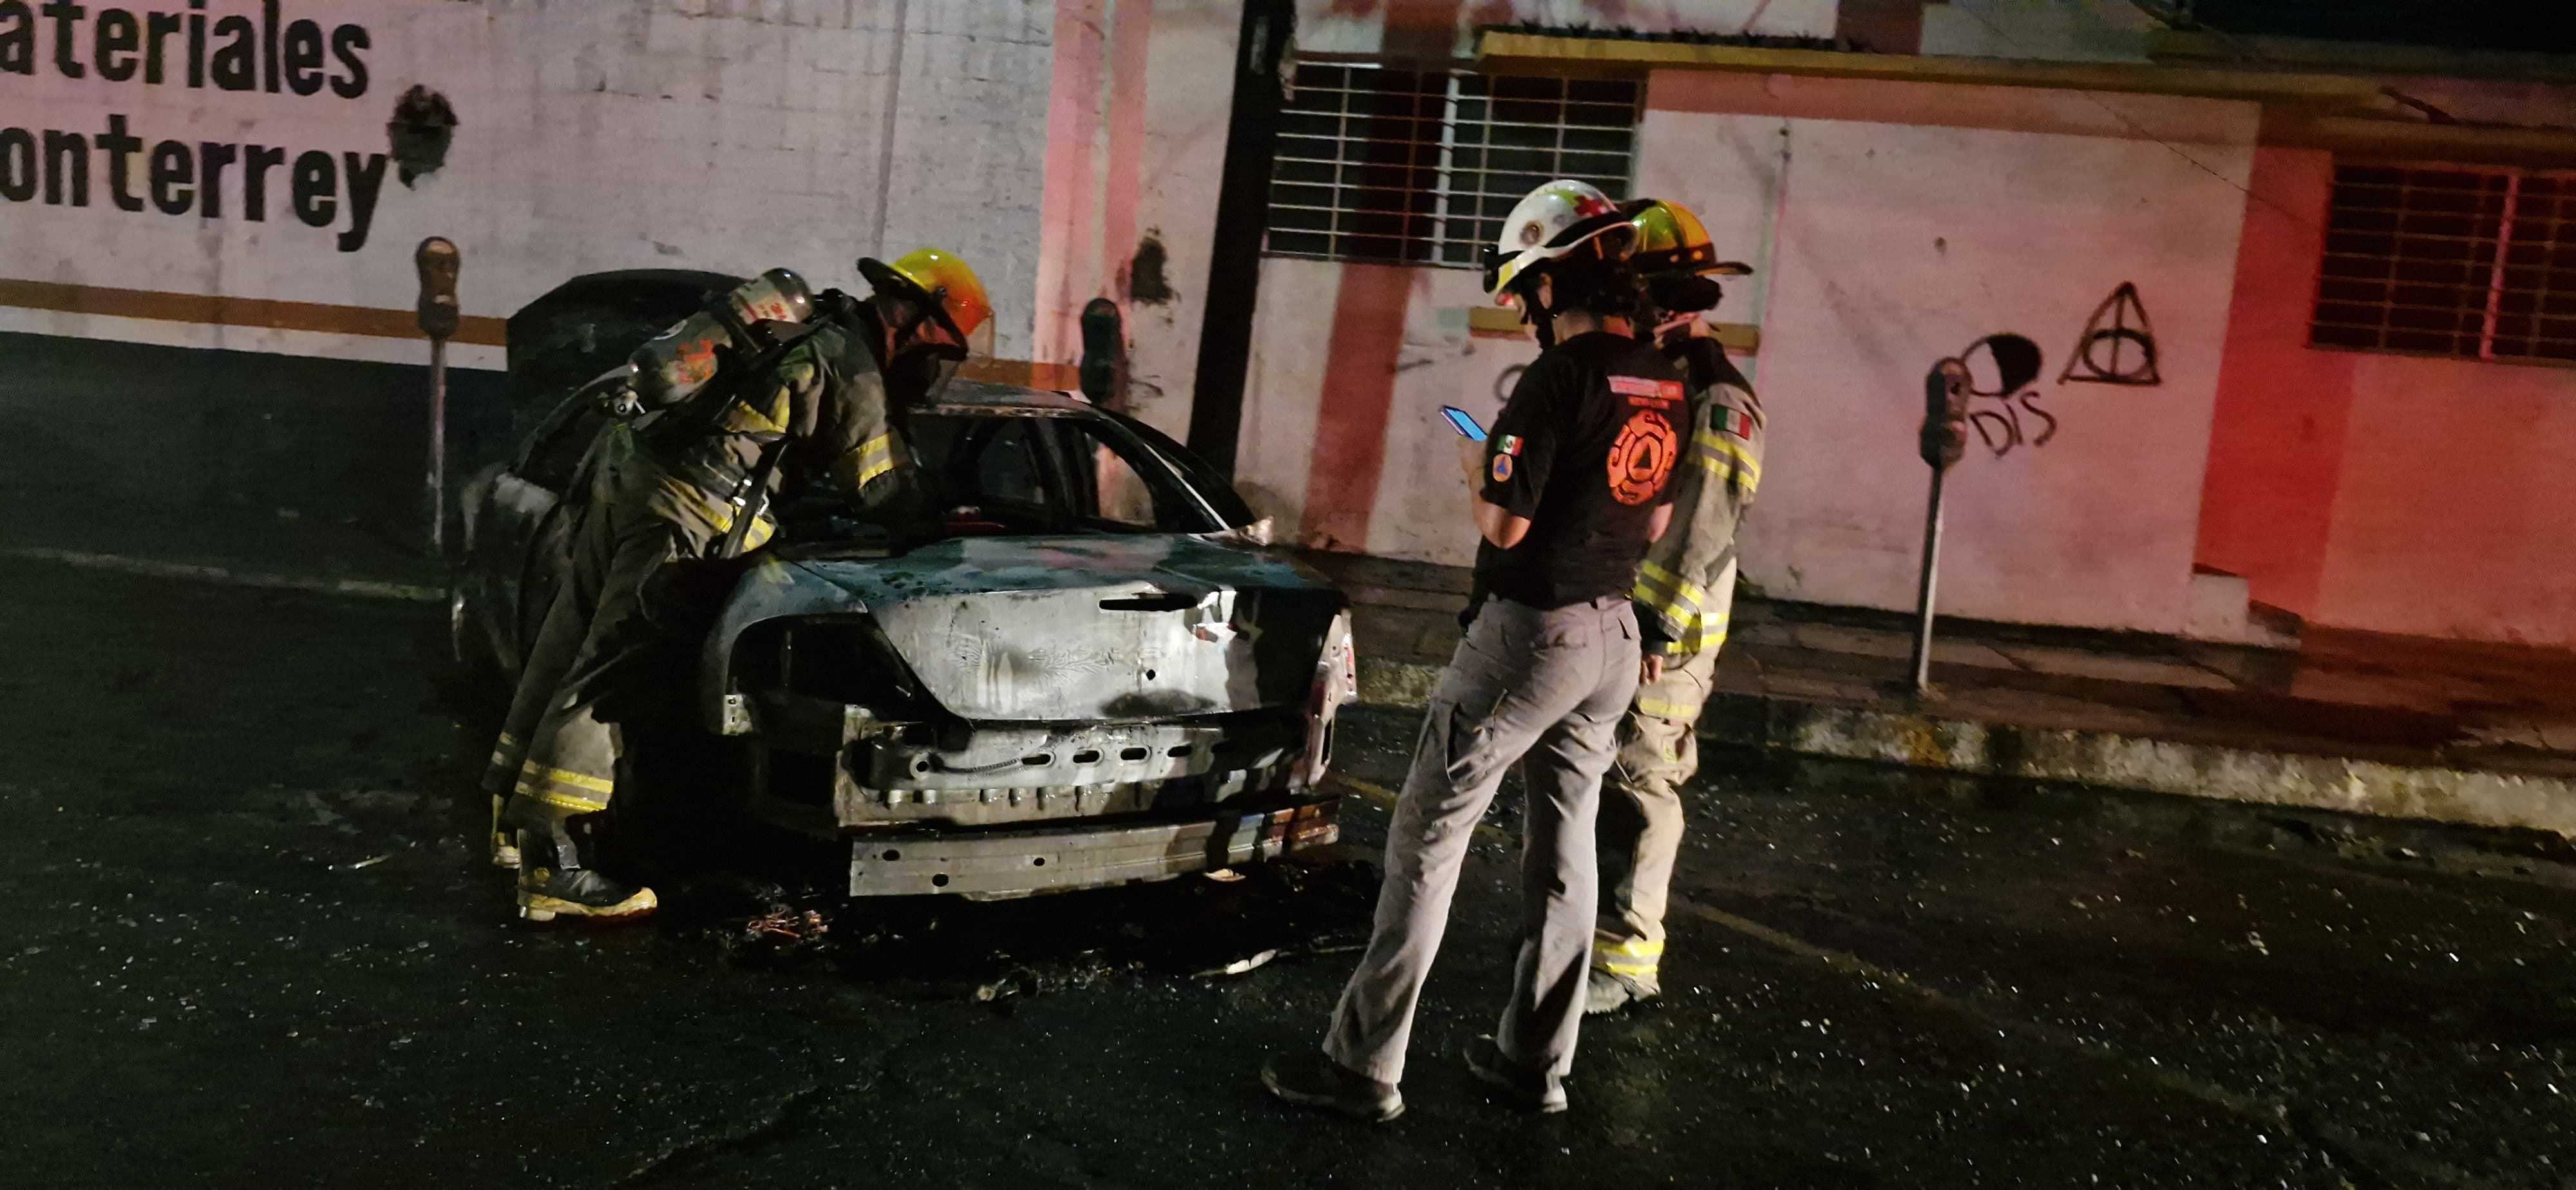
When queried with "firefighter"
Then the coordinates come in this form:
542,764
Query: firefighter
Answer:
681,490
1685,591
1566,493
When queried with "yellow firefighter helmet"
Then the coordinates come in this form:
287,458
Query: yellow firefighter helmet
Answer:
1669,239
944,283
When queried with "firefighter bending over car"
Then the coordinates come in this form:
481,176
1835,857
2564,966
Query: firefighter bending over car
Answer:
1685,592
813,407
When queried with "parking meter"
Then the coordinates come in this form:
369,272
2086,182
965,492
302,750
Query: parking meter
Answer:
2012,362
1104,352
438,261
1944,436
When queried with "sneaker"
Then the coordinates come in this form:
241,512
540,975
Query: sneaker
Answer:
1310,1079
505,844
1605,991
1540,1093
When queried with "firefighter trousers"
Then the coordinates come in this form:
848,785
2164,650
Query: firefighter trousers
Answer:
598,664
1546,684
1641,815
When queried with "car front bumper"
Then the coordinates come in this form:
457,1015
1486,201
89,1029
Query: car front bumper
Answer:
1012,862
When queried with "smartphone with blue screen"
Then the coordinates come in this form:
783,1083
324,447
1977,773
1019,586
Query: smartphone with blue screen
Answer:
1466,425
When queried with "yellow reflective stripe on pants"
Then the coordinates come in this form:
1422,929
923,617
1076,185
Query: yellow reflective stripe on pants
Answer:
1636,956
538,772
1661,709
556,797
564,787
876,456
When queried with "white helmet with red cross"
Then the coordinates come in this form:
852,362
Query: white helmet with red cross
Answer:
1555,221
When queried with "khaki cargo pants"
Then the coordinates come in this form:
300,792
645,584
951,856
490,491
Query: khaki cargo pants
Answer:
1550,685
1641,816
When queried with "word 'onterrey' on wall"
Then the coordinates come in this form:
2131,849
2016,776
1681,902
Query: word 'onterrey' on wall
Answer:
255,49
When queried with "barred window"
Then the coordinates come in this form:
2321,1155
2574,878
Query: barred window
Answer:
2450,260
1388,163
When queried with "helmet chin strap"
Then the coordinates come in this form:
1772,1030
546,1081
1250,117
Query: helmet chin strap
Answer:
1542,319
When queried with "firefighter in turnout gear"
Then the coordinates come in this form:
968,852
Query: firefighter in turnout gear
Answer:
811,408
1685,591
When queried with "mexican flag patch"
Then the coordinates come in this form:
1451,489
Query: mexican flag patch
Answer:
1734,421
1508,444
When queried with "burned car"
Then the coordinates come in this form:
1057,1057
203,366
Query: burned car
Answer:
1089,673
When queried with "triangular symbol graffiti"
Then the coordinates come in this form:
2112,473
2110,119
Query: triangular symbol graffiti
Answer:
2118,347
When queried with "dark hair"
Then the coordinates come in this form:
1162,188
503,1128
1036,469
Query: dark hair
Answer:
1593,284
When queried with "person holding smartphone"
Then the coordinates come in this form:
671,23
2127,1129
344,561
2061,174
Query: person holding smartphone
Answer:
1565,493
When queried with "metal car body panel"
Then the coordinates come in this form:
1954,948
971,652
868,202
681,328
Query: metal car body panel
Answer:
1055,629
999,864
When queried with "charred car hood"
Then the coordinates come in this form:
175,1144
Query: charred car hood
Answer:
1056,629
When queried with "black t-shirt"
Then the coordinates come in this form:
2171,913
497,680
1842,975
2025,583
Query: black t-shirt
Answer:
1584,449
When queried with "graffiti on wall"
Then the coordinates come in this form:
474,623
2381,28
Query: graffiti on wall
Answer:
2118,345
2001,428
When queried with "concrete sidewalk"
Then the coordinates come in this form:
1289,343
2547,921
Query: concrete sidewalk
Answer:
2473,734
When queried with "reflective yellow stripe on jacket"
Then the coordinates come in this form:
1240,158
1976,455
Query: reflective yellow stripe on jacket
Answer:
1723,457
875,456
1665,591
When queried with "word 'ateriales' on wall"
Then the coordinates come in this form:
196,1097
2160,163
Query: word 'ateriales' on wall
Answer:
251,48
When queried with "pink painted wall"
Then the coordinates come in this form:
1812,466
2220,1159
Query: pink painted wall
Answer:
2385,492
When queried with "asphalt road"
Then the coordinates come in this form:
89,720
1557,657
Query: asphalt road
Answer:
244,941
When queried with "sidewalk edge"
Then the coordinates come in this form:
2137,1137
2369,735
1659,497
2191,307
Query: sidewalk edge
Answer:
156,568
2467,797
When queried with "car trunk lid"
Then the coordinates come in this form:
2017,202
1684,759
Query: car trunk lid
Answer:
1051,629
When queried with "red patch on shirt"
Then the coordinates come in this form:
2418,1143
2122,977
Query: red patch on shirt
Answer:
1661,391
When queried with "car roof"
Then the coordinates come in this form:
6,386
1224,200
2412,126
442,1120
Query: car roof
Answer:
987,398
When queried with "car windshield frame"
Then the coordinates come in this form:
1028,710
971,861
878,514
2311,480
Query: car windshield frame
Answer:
1150,466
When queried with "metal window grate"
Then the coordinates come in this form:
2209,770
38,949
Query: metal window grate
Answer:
1388,163
2450,260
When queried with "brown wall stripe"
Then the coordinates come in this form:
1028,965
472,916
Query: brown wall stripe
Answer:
236,311
480,330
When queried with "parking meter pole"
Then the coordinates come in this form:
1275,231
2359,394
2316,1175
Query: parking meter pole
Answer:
437,260
438,448
1945,404
1924,591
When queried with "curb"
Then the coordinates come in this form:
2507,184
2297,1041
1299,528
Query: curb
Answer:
2468,797
154,568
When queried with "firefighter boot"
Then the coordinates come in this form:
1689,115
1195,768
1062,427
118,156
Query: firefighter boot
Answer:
554,881
1610,991
505,842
